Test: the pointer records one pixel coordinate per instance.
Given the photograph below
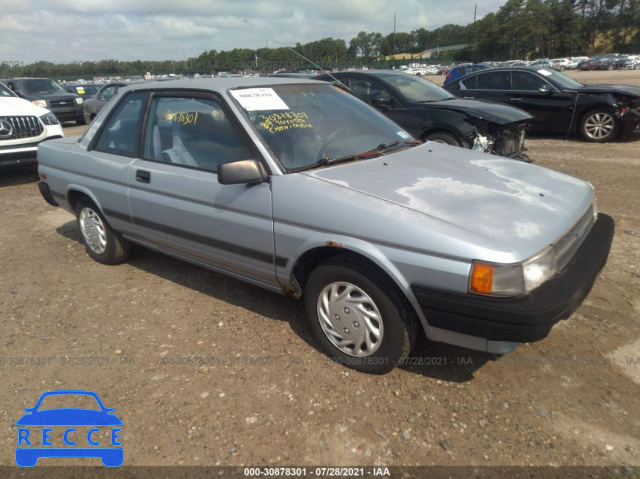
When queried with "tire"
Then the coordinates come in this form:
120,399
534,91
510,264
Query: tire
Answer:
101,243
610,67
371,327
599,125
443,137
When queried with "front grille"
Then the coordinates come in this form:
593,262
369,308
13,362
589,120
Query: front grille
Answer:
54,103
21,127
510,142
566,247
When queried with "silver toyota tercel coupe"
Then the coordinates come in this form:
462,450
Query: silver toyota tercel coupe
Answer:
298,187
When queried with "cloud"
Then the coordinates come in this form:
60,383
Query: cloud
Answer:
64,31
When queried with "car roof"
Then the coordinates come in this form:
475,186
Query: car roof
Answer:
378,72
219,84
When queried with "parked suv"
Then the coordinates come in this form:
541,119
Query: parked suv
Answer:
46,93
23,126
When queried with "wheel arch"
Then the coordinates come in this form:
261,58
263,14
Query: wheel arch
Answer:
317,254
76,192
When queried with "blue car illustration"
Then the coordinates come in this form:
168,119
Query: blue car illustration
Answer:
27,454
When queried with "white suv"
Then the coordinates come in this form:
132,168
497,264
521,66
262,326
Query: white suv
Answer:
22,126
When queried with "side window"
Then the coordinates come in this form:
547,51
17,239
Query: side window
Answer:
494,81
192,131
525,81
120,135
108,92
365,89
469,83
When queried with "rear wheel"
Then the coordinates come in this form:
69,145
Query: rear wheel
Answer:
599,125
102,243
443,137
359,316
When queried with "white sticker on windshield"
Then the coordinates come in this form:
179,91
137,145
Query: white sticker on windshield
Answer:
259,99
403,134
544,72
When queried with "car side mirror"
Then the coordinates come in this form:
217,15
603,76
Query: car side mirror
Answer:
545,89
382,101
241,172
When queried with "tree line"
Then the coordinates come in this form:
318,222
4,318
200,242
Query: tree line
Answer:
519,29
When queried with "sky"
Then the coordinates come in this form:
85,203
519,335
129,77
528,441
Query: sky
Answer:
67,31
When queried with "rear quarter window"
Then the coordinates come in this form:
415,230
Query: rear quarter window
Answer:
120,134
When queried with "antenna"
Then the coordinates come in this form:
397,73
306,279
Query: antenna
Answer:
299,54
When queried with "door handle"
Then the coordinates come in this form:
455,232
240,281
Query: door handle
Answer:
143,176
516,99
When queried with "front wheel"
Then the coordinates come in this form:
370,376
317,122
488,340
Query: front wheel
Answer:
359,316
102,243
442,137
599,125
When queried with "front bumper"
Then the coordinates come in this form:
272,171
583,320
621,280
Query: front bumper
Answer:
526,318
631,123
73,113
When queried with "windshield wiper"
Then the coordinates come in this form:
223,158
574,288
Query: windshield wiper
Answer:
384,147
381,149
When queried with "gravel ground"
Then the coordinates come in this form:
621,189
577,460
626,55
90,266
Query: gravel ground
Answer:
206,370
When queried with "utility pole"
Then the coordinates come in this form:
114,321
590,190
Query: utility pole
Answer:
475,11
394,33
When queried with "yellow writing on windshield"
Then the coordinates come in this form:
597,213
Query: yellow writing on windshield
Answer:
278,122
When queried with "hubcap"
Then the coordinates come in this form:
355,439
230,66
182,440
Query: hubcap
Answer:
350,319
599,126
93,230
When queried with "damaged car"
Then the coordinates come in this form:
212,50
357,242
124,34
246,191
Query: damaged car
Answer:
559,104
430,113
298,187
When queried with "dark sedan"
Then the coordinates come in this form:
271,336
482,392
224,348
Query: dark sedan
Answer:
558,104
431,113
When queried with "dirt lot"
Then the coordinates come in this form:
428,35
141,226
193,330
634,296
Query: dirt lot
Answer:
206,370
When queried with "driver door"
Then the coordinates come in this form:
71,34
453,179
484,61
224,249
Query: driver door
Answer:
176,201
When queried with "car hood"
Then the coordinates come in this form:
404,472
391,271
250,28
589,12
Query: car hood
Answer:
620,89
10,106
520,206
69,417
493,112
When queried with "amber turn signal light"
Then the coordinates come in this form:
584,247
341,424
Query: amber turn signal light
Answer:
482,278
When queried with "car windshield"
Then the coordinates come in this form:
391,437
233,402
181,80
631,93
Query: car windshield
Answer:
4,91
418,89
561,81
66,401
308,124
40,85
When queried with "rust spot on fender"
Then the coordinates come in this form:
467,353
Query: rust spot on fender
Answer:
333,244
290,291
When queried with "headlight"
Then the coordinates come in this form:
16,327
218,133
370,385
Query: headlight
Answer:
482,143
79,101
42,103
49,119
539,269
512,279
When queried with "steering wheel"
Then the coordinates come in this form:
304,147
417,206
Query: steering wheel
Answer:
322,154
